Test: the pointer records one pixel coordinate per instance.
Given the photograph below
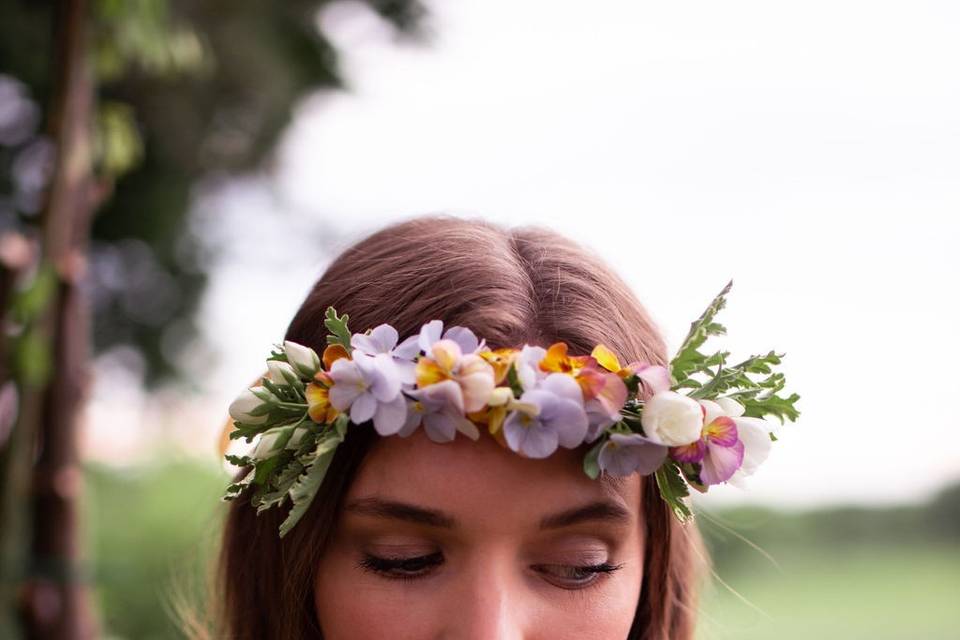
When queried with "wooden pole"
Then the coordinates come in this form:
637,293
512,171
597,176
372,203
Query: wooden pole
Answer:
55,597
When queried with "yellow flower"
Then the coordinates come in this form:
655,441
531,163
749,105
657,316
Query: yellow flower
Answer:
607,359
500,360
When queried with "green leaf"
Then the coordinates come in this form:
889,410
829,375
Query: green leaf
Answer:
513,379
234,489
688,359
782,408
591,465
263,469
272,387
337,326
282,484
240,461
308,483
673,489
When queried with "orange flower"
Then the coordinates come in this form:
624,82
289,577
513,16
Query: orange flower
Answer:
583,368
318,398
558,361
333,353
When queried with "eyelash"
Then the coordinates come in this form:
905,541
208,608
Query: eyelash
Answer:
387,567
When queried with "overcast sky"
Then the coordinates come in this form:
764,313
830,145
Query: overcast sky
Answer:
809,151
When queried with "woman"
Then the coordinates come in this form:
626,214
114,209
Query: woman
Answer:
411,539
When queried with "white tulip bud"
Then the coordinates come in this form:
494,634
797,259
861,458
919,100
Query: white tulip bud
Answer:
297,437
304,360
246,402
282,373
266,443
672,419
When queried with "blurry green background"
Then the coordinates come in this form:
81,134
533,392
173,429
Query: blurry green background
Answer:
877,574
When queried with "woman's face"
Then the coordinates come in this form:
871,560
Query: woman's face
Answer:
467,540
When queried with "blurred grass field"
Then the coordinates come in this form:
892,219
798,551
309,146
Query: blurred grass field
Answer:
850,573
867,591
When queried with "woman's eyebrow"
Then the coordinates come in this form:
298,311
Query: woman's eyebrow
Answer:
381,508
601,510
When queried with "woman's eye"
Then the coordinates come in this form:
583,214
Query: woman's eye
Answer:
402,568
411,568
576,577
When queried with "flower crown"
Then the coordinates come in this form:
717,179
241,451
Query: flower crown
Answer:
638,417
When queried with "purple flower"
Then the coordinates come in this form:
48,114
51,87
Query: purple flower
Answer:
439,407
383,339
548,415
599,419
433,332
370,387
624,454
719,451
603,409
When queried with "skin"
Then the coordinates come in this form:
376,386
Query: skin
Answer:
501,576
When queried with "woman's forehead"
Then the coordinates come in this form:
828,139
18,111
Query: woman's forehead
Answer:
480,483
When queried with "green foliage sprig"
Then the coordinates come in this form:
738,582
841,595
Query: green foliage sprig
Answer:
760,397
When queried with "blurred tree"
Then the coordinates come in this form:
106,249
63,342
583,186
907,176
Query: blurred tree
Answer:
186,90
121,107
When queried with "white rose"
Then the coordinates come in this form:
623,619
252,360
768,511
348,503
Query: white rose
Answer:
672,419
303,359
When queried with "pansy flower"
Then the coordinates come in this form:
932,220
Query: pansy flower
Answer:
654,377
318,399
499,404
549,415
369,386
527,365
439,408
433,332
472,374
500,360
623,454
719,452
754,433
383,339
604,392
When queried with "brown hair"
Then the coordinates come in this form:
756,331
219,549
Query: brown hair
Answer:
509,285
